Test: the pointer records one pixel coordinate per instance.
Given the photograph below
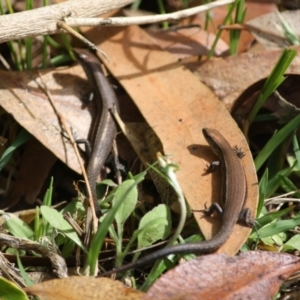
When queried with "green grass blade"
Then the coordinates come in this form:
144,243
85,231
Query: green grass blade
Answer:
277,227
296,149
235,34
263,184
274,80
24,275
270,217
21,138
276,140
218,35
100,235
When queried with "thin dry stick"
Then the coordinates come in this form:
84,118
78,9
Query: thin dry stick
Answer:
58,262
80,37
74,144
258,30
126,21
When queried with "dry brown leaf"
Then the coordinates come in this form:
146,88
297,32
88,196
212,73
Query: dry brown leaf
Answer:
177,106
229,77
79,287
269,29
21,96
34,112
251,275
185,42
69,90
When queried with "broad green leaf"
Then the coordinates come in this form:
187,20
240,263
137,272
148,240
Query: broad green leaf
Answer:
17,227
292,244
10,291
154,231
56,220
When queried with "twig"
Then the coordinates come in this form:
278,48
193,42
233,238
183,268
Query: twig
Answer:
58,263
125,21
69,29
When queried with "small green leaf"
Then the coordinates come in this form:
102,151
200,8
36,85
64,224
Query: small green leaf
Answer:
127,206
154,231
74,207
292,244
276,239
108,182
56,220
17,227
10,291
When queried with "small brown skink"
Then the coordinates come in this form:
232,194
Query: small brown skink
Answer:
104,129
233,199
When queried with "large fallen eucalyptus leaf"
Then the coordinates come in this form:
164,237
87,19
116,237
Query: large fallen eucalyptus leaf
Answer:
251,275
176,105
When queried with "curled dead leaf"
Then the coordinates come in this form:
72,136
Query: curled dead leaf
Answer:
251,275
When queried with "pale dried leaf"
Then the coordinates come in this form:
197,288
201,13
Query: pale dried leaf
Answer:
79,287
